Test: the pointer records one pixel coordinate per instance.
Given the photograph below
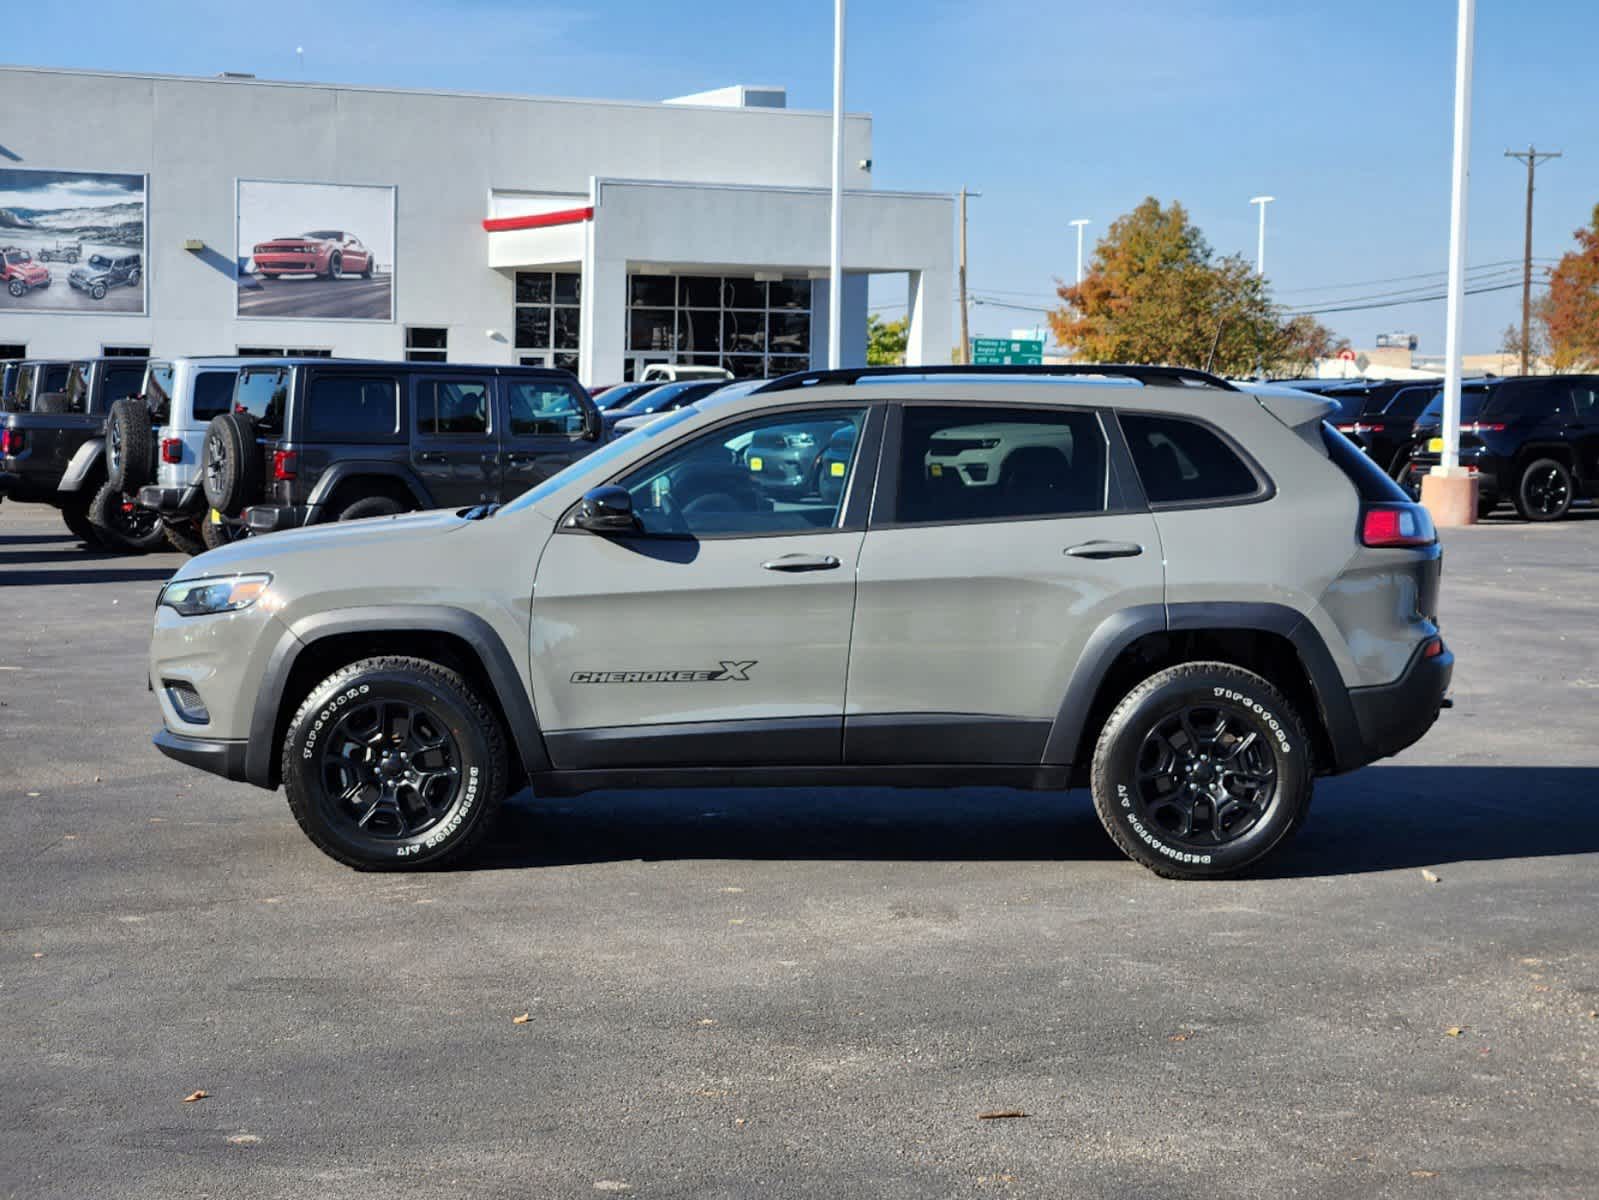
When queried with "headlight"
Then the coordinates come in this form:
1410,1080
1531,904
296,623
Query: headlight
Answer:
197,597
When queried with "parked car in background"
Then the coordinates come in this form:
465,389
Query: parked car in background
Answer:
332,253
308,440
618,394
52,450
20,273
103,272
67,252
1378,417
1533,441
656,402
674,372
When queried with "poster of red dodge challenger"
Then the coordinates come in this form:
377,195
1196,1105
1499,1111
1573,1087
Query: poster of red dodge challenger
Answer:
315,251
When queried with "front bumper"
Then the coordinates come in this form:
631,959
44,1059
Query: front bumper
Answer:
1396,715
222,758
173,502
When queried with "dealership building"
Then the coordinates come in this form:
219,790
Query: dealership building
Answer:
234,215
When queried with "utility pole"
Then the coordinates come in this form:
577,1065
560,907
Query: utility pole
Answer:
1260,253
966,338
1080,222
1532,158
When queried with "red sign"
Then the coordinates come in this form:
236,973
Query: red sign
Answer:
1346,356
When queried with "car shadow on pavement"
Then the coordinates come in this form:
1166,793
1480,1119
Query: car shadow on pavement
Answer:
38,539
66,575
1380,819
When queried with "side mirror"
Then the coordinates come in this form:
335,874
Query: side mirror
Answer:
593,424
606,509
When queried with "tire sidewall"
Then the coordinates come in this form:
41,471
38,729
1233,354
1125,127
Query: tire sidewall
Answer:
105,511
1234,693
482,771
373,506
1540,465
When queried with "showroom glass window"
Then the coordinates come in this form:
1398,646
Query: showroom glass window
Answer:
986,463
426,344
1183,462
754,328
757,477
546,318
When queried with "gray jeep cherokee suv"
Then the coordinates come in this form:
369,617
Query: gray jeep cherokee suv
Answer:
1188,597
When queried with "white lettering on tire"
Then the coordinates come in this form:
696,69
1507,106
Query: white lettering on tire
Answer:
1265,714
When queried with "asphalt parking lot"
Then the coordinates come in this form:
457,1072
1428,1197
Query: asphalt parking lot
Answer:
742,994
350,298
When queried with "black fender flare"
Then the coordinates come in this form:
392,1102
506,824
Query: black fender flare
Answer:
1119,631
82,465
490,648
343,472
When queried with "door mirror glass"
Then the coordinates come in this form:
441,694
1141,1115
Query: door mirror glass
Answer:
606,509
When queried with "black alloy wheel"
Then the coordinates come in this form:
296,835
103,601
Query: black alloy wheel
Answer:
1544,493
389,769
1205,776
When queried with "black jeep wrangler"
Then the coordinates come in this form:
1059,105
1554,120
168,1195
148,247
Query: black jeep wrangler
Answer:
312,440
52,445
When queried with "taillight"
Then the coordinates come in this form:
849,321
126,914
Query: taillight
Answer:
1364,428
1434,648
12,441
171,450
1347,428
1397,525
1487,427
284,464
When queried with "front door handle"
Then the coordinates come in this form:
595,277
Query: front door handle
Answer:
439,459
1105,550
802,562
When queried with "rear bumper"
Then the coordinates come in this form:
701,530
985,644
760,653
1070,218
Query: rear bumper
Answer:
173,502
273,518
218,757
1396,715
29,488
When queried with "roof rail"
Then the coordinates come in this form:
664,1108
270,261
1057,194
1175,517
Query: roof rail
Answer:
1177,376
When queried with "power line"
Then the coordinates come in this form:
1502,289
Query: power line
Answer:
1499,287
1336,287
1500,276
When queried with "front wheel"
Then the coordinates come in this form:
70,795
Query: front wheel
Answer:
17,288
97,291
393,763
1543,493
335,266
1201,770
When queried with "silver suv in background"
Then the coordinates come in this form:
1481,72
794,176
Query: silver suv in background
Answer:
1190,599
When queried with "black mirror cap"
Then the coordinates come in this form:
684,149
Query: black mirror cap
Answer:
607,509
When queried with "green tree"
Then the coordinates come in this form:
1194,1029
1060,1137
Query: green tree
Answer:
885,341
1155,292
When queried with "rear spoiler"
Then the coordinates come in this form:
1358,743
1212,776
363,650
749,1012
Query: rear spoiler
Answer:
1295,409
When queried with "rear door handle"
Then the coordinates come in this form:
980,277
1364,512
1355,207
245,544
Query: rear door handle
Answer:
1105,550
802,562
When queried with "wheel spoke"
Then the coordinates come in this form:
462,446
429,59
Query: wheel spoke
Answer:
390,768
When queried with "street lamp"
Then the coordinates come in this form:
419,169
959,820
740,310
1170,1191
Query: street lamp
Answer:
1260,252
1080,222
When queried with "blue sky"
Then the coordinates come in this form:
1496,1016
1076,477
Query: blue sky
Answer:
1052,110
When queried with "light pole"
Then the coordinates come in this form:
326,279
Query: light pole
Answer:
835,264
1080,222
1260,251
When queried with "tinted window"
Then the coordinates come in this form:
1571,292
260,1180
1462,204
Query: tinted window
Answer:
1535,400
213,393
122,381
1182,462
1408,403
541,408
992,464
759,476
1585,401
157,388
55,377
352,407
458,407
1348,404
1471,403
264,394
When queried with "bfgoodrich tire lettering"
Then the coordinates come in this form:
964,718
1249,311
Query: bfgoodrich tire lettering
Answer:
1201,770
394,763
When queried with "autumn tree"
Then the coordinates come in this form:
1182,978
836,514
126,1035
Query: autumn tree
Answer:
1569,311
1155,292
886,341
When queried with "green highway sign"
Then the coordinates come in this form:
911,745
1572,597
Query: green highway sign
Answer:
1006,352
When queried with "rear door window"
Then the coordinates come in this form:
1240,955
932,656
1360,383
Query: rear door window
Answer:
995,464
452,407
353,408
1183,462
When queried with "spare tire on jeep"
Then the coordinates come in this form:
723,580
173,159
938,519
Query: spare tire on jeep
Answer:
231,471
129,445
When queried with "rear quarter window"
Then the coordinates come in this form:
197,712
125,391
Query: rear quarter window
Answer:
213,394
1183,462
353,408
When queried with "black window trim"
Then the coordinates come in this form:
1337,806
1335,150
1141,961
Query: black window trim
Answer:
1266,487
853,504
1120,500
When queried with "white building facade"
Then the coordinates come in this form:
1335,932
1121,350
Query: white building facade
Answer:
231,215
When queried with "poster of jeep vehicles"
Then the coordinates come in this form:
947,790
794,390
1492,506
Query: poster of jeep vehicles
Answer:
315,251
71,241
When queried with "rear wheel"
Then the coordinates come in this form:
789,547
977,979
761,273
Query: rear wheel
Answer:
393,763
1543,492
75,512
1201,770
369,506
122,525
214,533
184,536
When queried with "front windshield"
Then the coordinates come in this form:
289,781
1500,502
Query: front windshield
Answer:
598,461
99,260
652,400
323,235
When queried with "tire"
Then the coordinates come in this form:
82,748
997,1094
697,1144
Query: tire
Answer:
366,271
1147,733
122,525
129,445
370,506
17,288
413,815
133,278
335,265
1543,490
185,537
230,464
214,533
75,512
97,291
